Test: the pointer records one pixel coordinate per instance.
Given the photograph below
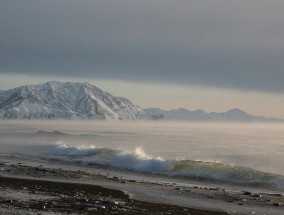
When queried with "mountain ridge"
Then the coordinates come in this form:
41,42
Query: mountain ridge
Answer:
183,114
81,100
58,100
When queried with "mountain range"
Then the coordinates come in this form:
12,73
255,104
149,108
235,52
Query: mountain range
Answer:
57,100
183,114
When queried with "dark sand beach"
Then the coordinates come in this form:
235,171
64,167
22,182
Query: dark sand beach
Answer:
40,190
58,197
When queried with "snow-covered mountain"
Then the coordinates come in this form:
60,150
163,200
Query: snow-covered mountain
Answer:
200,115
57,100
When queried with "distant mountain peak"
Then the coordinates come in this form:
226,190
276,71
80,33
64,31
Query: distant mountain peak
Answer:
236,110
65,100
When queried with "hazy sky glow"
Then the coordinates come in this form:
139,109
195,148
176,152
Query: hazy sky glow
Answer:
205,54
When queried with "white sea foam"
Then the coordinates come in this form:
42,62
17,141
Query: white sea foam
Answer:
139,161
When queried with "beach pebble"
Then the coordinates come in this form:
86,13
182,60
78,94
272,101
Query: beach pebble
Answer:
122,209
113,202
277,194
246,193
99,198
277,204
91,209
100,206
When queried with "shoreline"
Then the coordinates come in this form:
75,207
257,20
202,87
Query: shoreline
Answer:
166,197
65,197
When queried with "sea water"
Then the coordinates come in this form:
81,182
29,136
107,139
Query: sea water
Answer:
239,153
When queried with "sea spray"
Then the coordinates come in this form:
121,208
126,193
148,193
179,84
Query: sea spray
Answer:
139,161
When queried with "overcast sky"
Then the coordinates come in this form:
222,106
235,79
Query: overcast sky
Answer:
233,46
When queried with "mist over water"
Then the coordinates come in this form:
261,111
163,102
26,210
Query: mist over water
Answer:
227,151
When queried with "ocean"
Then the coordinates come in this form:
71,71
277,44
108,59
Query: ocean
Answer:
243,154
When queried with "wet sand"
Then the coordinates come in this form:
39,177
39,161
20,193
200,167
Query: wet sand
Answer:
26,189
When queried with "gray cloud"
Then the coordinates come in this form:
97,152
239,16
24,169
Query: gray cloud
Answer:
220,43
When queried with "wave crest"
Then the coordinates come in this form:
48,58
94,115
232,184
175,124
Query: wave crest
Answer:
138,160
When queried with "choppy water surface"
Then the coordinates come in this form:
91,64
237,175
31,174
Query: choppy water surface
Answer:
238,153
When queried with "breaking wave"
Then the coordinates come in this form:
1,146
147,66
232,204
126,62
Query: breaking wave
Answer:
139,161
